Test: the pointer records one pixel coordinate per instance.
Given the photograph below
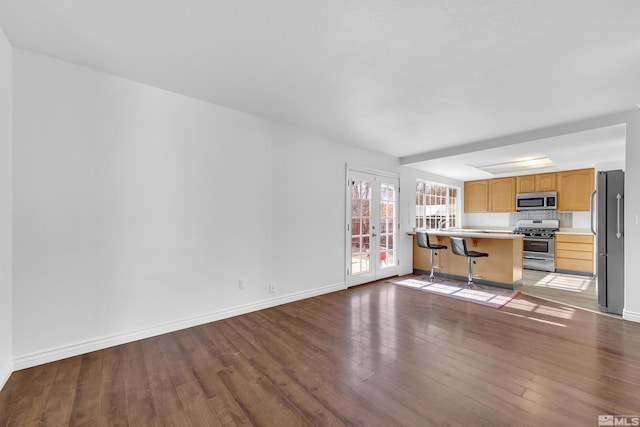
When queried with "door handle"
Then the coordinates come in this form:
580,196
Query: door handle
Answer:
618,199
591,210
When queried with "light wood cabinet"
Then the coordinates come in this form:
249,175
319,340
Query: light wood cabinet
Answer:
476,196
525,184
546,182
533,183
502,195
574,189
574,252
498,195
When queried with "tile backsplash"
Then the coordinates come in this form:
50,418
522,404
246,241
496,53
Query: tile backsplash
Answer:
565,218
499,220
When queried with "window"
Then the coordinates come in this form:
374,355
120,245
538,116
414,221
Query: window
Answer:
436,205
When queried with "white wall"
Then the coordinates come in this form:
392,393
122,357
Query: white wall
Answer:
632,212
133,206
138,210
309,184
5,209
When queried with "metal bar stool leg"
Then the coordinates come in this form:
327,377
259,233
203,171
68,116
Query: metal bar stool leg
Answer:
431,276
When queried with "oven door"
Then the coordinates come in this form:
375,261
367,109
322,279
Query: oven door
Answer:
539,253
535,246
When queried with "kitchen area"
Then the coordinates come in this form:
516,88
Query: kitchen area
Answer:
571,224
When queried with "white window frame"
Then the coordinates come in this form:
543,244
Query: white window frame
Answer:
423,220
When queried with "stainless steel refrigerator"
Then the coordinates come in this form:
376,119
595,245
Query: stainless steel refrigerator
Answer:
608,211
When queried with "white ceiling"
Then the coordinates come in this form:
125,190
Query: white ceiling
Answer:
398,77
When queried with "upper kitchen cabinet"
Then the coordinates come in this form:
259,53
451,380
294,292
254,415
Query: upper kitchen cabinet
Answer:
502,195
476,196
574,189
546,182
533,183
525,184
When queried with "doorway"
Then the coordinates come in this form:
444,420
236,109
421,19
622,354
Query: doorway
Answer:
372,226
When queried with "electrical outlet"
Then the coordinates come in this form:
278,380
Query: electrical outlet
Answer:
272,288
242,284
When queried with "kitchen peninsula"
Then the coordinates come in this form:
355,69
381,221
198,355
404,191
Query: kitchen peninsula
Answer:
503,267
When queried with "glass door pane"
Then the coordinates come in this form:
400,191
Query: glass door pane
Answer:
361,226
388,225
372,227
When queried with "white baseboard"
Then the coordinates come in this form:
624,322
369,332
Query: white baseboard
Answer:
62,352
5,373
631,316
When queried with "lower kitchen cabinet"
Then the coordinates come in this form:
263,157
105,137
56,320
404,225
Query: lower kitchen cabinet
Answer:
574,253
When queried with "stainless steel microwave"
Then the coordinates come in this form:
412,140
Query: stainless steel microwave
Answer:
536,201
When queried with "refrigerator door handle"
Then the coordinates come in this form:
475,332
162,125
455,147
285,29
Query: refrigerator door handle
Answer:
591,210
618,199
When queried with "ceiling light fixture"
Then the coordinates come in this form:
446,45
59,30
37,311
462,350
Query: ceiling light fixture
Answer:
520,164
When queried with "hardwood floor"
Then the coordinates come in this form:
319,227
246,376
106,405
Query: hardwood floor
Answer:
577,291
374,355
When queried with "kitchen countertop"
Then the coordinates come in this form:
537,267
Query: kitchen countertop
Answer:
579,231
473,233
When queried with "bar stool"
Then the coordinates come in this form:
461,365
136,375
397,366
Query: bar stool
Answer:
423,242
459,247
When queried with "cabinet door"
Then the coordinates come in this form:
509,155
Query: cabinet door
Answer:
502,195
475,196
546,182
525,184
574,189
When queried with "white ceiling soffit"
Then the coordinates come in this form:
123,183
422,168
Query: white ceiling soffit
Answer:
524,163
602,148
396,77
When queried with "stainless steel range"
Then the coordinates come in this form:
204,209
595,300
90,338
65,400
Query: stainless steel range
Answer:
539,243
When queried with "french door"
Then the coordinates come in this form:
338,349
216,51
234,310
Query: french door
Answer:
372,227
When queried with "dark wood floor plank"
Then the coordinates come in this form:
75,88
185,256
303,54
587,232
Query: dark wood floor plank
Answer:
141,410
457,406
57,411
258,393
165,396
340,388
28,392
376,354
197,408
113,395
333,392
263,361
86,403
206,365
